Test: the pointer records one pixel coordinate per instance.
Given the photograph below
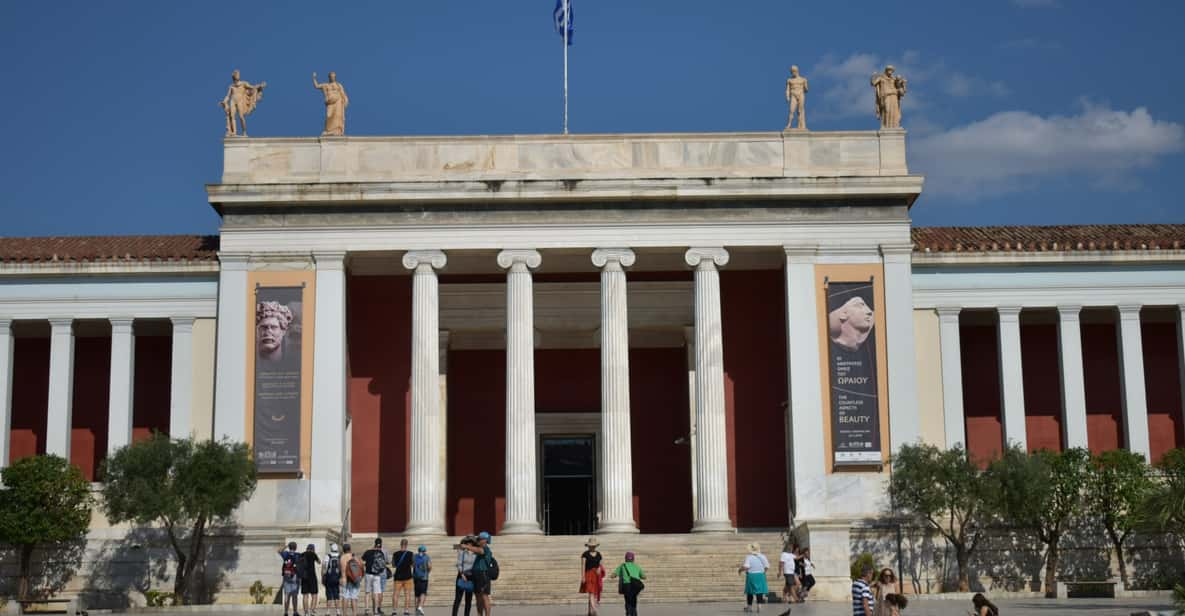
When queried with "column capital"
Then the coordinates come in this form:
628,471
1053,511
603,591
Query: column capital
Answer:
58,324
613,258
434,259
949,313
182,324
1069,312
5,327
801,253
1008,313
121,325
529,258
330,260
1129,311
235,261
709,256
1181,308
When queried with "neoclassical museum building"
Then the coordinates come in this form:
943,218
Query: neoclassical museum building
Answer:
708,336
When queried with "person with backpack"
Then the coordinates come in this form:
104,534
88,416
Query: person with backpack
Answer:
629,576
310,564
401,563
375,561
485,569
289,580
331,577
420,568
354,574
465,560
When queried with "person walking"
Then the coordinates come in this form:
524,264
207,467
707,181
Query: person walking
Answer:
753,568
629,576
808,573
289,579
862,599
464,586
983,607
480,576
885,585
401,562
788,569
310,565
421,567
592,575
354,573
331,578
375,561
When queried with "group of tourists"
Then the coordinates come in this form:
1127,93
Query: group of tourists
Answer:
794,565
629,576
347,578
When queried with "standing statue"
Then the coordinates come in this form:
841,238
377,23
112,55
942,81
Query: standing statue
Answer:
241,99
889,88
796,87
336,102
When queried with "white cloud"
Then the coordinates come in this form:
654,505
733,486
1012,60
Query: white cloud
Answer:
1012,149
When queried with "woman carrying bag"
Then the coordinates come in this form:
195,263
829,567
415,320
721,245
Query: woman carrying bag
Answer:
629,576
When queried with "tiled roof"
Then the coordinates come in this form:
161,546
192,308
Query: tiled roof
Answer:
1059,238
109,249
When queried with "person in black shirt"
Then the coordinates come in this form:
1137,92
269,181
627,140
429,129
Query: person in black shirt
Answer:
402,562
375,560
310,565
592,575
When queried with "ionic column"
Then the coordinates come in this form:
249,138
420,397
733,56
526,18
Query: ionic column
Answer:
1069,335
426,514
328,473
522,508
181,379
954,419
233,337
6,355
1135,399
808,443
904,418
58,425
1012,387
710,437
123,370
616,463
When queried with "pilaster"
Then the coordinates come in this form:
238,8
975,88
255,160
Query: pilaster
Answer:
230,366
1012,387
904,417
1073,383
119,401
954,418
1135,398
181,381
328,472
6,355
59,423
808,454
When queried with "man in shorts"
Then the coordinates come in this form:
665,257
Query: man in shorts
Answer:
331,577
352,585
402,562
421,567
290,579
375,564
480,575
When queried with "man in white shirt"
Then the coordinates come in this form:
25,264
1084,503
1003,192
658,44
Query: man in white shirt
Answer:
789,590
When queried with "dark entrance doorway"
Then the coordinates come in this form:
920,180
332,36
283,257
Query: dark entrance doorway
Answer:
569,485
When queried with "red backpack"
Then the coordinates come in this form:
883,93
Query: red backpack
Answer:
353,571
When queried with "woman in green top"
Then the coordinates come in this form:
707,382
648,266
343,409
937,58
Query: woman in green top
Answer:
629,573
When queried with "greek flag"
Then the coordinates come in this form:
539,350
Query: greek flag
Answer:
558,16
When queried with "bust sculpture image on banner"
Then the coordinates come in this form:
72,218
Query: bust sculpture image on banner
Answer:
336,102
240,100
890,89
796,87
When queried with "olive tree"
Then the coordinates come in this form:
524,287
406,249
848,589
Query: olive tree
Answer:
1164,507
45,501
185,486
1118,487
1041,491
944,490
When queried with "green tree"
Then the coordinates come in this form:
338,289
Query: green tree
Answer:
945,490
45,500
185,486
1119,485
1164,509
1041,491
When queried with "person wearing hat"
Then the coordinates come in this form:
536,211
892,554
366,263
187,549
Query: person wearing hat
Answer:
290,580
753,568
629,576
421,566
592,575
480,575
375,580
310,564
354,573
331,577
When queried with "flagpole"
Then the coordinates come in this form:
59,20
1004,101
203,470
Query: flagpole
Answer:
565,26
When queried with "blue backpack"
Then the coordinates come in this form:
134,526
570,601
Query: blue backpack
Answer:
420,566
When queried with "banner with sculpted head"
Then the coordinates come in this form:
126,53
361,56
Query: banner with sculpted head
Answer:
855,416
277,379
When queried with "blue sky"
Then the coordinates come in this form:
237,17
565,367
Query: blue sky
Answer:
1019,112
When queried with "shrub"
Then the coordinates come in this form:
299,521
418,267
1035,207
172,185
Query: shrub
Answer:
260,593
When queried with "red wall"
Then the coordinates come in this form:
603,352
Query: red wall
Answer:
150,396
1042,384
979,350
1162,379
660,414
476,441
30,396
92,384
379,347
754,337
1104,399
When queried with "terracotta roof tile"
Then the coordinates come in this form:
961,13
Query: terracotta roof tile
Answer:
1059,238
115,248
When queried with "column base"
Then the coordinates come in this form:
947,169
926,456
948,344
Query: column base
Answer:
713,526
426,530
626,527
521,528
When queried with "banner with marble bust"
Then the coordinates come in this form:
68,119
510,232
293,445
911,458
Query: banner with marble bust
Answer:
277,379
855,416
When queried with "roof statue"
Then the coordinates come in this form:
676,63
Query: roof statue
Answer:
796,87
240,100
336,102
890,89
